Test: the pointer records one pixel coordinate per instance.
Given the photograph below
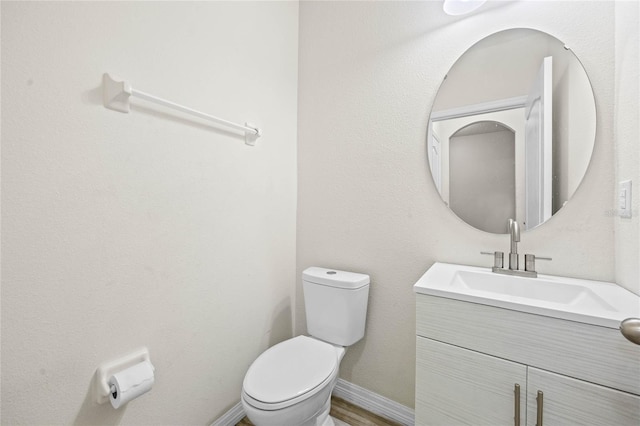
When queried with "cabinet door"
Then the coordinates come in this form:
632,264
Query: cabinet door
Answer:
568,401
456,386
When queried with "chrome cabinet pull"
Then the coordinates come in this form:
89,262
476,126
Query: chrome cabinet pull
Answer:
516,408
540,401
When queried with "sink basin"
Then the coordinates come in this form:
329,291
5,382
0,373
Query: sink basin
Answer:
530,288
593,302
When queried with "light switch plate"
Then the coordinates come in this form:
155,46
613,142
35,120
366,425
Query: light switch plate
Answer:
624,198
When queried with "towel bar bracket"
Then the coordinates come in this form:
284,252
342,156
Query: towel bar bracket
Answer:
115,94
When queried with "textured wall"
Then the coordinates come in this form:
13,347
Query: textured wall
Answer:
369,72
627,130
149,228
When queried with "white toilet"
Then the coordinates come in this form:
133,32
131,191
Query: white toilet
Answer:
290,383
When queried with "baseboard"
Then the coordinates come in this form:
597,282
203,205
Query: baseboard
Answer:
363,398
377,404
231,417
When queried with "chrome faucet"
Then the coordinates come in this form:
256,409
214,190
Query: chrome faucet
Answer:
530,259
514,230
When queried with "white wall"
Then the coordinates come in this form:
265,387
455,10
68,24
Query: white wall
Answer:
369,72
150,229
627,137
147,229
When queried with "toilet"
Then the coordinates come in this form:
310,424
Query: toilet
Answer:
290,383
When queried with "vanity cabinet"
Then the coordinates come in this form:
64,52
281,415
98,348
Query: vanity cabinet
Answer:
568,401
483,365
459,386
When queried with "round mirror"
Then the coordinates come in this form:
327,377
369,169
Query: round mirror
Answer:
512,130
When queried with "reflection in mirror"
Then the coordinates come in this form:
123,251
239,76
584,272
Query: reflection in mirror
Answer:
481,161
512,130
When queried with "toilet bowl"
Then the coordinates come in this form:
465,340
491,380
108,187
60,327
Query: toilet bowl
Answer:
290,384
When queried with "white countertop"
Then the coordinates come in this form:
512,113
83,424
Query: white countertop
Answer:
593,302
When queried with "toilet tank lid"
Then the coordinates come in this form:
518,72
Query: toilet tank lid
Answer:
335,278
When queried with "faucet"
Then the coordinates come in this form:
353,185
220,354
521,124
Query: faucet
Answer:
514,230
529,259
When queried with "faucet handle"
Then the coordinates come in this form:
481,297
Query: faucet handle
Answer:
498,258
530,261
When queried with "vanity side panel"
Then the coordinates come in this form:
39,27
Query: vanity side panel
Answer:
568,401
597,354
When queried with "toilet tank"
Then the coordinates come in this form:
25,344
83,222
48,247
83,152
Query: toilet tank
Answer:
336,304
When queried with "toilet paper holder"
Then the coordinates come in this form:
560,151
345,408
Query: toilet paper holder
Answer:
108,369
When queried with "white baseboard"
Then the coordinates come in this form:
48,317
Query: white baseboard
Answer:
231,417
363,398
377,404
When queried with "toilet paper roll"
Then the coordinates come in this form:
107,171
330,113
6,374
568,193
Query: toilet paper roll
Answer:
131,383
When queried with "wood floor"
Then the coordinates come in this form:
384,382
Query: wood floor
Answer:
348,413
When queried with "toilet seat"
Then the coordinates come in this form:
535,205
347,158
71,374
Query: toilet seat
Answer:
290,372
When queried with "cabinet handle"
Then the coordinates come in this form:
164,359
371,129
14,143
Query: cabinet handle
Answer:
516,408
630,328
540,401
